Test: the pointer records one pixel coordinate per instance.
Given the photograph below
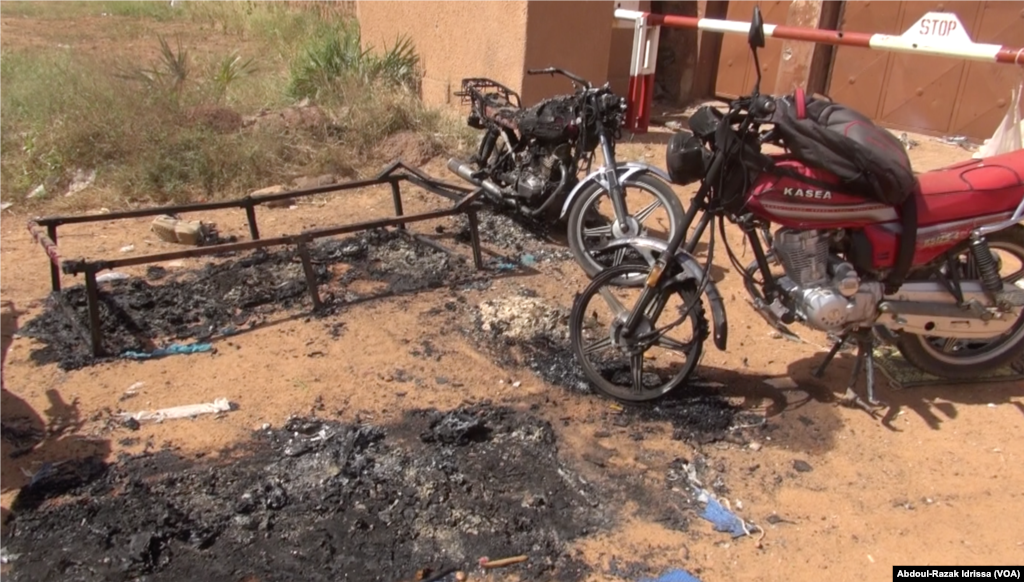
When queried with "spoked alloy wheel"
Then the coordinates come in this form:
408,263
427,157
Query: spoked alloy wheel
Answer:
655,212
628,369
965,359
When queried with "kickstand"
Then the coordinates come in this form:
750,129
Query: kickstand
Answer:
865,359
831,355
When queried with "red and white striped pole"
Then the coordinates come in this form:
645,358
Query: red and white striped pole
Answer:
641,72
936,33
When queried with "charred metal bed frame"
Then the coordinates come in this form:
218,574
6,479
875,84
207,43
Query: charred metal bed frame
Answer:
465,200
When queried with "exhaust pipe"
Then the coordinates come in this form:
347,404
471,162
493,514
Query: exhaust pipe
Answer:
465,172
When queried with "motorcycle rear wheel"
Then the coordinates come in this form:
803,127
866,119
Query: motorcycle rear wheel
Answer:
956,359
585,240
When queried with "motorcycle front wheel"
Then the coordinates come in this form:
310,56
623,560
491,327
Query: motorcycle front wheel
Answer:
655,212
643,368
966,359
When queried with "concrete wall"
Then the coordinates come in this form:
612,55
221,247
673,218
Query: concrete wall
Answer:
454,40
572,35
501,40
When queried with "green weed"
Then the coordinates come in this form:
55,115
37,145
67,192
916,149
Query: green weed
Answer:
335,58
170,130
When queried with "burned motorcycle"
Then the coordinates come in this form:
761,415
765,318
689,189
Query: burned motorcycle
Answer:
529,160
865,249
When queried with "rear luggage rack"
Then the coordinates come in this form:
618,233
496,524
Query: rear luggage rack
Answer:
485,90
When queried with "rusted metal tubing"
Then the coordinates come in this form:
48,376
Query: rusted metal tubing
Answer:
503,562
307,268
396,197
250,217
76,267
49,243
469,200
417,173
474,238
201,206
45,241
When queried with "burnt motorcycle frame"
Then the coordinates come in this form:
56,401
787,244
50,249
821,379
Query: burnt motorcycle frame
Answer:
607,174
610,175
676,263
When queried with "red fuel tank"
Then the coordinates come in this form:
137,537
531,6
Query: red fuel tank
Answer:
789,201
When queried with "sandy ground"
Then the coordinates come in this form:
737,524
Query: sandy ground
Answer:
928,492
941,486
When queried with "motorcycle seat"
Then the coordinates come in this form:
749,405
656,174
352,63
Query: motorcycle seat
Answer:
502,112
971,189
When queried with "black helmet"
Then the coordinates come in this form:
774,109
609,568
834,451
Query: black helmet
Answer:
686,158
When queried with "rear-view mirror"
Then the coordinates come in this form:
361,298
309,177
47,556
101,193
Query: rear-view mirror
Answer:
756,36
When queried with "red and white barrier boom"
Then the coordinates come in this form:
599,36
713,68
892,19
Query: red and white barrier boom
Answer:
936,33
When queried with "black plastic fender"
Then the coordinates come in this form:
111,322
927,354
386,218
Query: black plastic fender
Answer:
691,270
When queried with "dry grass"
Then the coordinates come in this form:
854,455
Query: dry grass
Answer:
72,9
169,129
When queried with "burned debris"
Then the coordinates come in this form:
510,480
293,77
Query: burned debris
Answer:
318,500
523,330
225,297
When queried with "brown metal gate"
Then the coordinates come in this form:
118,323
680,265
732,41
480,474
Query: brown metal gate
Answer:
932,95
735,65
985,90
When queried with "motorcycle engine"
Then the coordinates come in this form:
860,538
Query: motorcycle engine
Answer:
538,171
825,292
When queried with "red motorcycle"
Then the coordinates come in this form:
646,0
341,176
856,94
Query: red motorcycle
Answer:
864,249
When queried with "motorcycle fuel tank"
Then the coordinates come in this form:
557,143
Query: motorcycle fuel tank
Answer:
789,201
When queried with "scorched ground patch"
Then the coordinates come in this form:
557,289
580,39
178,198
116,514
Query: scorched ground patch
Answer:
521,330
224,297
317,500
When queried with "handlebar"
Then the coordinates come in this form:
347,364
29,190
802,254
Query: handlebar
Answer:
563,72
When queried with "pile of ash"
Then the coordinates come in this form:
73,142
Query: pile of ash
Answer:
523,330
318,500
225,296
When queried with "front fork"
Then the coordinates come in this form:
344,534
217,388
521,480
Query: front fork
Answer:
650,292
611,177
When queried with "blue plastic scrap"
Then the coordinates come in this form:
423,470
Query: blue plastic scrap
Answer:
724,520
505,266
673,576
41,474
170,350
